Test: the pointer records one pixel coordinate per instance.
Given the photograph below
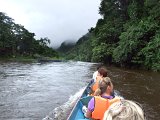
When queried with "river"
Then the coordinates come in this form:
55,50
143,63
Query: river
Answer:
32,91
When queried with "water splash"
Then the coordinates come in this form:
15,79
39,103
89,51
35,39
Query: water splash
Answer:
62,112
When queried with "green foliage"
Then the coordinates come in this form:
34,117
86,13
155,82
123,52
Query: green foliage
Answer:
103,53
15,40
83,49
99,53
133,40
135,9
151,53
128,34
66,46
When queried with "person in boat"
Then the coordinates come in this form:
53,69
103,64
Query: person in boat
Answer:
102,72
109,90
99,104
124,110
96,73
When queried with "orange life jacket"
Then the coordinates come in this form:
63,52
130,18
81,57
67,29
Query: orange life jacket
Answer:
101,105
95,86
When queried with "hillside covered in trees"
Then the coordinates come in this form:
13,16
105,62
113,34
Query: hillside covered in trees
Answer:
15,40
128,34
65,47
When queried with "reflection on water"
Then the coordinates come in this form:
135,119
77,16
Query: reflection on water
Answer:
33,91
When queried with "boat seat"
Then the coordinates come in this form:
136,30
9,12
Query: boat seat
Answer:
85,100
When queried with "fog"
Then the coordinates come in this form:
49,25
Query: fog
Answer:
59,20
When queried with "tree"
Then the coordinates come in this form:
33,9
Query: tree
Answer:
16,40
126,35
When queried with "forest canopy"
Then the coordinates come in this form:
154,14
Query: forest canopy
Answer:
15,40
128,34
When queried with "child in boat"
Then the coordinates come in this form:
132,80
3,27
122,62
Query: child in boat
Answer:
99,104
124,110
96,73
102,72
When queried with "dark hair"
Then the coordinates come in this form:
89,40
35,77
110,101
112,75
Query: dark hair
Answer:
99,66
103,71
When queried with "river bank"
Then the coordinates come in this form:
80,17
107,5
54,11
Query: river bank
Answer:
29,59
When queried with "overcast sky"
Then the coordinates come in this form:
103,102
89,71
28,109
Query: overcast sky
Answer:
58,20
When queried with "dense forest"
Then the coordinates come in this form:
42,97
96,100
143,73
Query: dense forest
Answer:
128,34
15,40
65,46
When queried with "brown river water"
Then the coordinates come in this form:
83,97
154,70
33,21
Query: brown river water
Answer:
32,91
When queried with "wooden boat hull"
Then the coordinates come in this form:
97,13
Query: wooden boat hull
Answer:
76,113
